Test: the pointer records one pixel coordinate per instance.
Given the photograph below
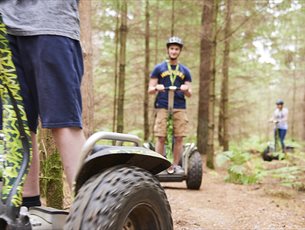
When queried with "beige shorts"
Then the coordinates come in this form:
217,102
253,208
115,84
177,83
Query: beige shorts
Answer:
180,123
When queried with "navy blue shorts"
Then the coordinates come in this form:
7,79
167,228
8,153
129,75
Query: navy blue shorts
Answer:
50,70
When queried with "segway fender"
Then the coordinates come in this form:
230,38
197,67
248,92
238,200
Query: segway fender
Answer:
189,149
103,157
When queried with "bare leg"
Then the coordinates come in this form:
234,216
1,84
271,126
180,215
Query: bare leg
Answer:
31,184
160,145
69,142
177,149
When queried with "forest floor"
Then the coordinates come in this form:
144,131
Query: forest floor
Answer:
220,205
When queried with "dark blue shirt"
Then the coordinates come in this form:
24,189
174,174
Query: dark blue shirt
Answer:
163,74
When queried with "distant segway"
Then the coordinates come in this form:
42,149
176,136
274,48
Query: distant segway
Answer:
190,161
271,152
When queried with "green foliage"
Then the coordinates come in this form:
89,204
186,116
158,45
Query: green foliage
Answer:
291,171
137,132
254,143
239,169
245,165
169,138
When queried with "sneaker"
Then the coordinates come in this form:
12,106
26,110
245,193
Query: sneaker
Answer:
178,170
170,170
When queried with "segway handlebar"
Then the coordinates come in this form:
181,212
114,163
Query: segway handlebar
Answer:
118,137
172,87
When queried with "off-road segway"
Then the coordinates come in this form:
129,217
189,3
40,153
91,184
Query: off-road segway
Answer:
272,151
191,161
114,188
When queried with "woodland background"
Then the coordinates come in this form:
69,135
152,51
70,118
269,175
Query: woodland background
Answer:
243,55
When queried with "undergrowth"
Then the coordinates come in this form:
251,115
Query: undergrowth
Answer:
245,165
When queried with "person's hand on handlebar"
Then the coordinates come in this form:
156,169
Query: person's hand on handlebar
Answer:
152,89
160,87
273,121
184,88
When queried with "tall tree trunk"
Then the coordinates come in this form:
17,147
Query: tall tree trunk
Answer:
205,75
220,118
211,123
294,103
173,19
303,133
87,82
122,61
292,62
157,33
224,102
115,98
146,72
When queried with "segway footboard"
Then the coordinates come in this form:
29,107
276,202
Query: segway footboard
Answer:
47,218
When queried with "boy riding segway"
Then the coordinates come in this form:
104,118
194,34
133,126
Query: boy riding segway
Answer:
172,82
166,74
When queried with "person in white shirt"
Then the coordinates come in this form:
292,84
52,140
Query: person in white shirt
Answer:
280,119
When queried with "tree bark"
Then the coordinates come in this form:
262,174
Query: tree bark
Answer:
115,98
205,75
224,113
211,122
122,63
221,119
146,72
294,103
87,81
157,33
303,133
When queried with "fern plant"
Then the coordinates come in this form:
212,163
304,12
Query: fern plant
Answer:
246,168
240,170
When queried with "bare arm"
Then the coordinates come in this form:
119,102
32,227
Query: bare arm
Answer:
154,87
187,88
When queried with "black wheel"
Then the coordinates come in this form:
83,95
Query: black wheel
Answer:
194,171
267,155
121,198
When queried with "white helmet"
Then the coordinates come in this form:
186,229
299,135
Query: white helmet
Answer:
174,40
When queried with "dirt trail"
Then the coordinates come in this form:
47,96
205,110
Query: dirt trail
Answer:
220,205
